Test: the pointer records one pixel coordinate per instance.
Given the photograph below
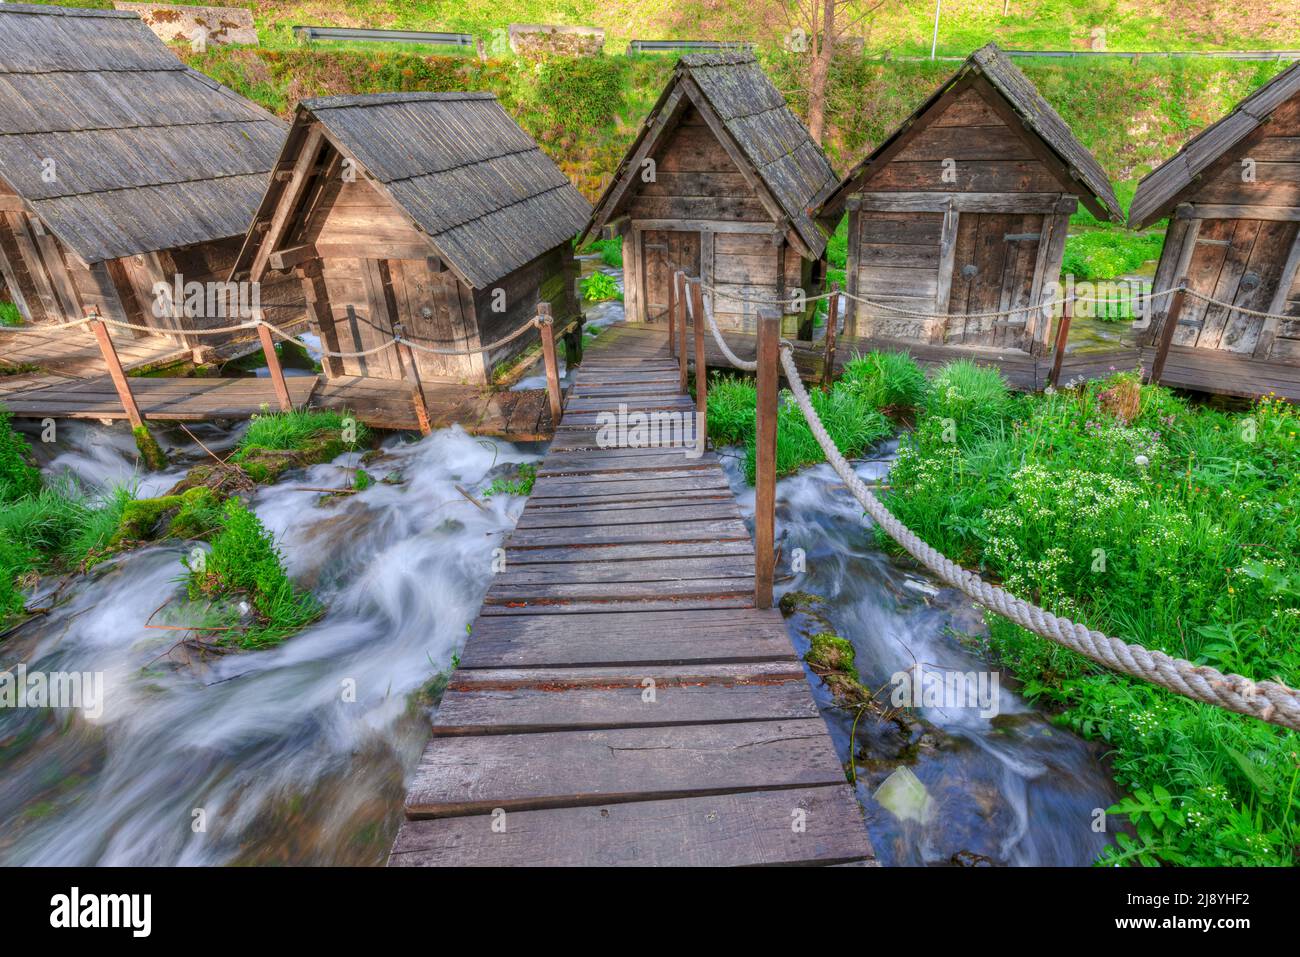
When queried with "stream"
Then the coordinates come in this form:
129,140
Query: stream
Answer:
299,754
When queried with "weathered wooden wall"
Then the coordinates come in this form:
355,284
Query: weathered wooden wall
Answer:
963,217
1238,241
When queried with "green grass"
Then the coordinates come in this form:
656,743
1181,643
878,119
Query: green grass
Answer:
520,484
850,418
610,250
19,477
886,380
1167,524
973,398
276,442
1107,254
9,315
244,563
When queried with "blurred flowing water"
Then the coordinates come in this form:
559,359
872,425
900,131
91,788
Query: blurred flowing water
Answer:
294,755
1012,789
298,754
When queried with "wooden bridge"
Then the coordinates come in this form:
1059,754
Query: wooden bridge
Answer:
621,700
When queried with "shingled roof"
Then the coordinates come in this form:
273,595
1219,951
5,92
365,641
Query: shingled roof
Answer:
754,116
1162,189
462,171
148,154
1090,181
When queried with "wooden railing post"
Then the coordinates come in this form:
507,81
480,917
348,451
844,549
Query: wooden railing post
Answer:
411,372
769,349
115,371
673,298
682,352
273,364
832,322
1062,337
151,452
701,365
552,366
1167,332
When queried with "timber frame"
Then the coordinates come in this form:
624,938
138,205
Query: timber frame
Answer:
965,209
720,202
409,239
1232,195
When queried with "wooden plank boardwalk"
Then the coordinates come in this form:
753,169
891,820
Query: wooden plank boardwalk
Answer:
74,351
620,699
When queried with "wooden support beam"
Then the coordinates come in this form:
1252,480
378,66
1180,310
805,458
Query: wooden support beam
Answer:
832,321
316,293
680,338
1062,337
552,365
273,364
701,367
674,295
289,198
411,372
115,370
1167,331
286,259
769,349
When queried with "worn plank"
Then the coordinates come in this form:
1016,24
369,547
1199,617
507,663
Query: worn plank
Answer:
731,830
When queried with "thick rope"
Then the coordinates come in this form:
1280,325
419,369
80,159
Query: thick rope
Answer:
281,333
749,365
1266,700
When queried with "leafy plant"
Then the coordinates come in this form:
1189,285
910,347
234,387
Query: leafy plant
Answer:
598,287
521,484
886,380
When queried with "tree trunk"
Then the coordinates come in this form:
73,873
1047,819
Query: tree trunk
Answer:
823,50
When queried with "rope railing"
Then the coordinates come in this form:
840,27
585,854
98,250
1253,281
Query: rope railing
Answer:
254,324
1269,701
1147,297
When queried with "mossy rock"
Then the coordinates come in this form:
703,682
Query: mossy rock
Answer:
804,601
832,653
190,514
265,466
151,452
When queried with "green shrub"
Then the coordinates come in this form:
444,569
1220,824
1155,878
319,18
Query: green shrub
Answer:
731,403
887,380
598,287
1109,254
9,315
245,562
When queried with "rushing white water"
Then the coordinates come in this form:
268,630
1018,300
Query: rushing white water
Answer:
1011,788
291,755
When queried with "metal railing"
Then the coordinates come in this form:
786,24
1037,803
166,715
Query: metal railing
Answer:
389,36
683,46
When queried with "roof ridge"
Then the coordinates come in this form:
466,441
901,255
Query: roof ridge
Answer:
478,162
53,11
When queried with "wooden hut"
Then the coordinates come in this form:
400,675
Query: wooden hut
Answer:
430,210
1233,198
964,209
121,168
720,182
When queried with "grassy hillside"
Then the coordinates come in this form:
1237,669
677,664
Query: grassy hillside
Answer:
585,112
900,26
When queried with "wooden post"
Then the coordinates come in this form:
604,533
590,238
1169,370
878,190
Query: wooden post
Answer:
552,366
769,348
682,351
701,364
411,372
832,321
115,370
1062,337
273,364
672,312
1167,331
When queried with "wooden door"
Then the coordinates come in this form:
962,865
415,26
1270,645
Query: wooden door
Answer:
663,252
996,259
1240,261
